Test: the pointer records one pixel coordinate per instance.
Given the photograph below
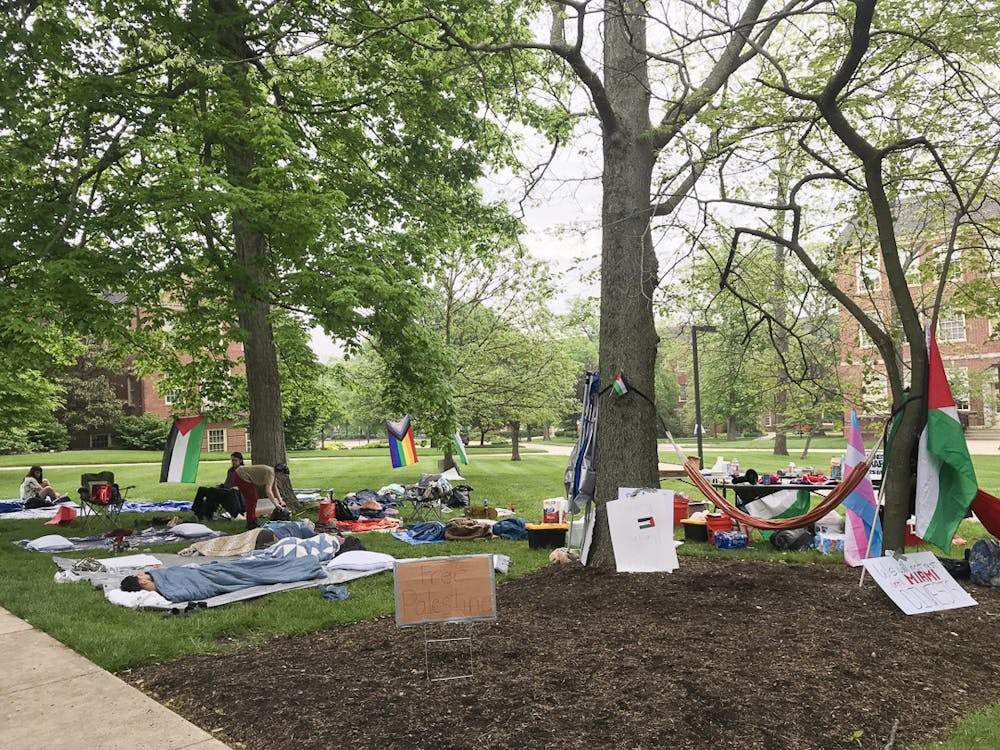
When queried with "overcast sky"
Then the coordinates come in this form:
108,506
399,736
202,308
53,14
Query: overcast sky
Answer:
562,221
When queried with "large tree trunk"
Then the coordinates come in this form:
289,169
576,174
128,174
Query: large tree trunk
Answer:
780,318
515,441
252,272
626,439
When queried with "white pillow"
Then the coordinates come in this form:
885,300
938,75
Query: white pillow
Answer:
188,530
49,543
361,560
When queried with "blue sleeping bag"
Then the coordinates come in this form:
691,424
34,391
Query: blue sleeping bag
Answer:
192,583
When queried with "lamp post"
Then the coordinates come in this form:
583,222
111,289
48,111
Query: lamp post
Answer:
698,429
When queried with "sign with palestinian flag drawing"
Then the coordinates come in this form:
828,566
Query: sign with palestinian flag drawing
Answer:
642,531
180,457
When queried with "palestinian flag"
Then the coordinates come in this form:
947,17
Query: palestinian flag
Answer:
779,504
456,438
646,523
180,458
619,385
946,479
402,449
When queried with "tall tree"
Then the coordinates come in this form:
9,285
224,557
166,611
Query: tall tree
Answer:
218,158
881,114
645,92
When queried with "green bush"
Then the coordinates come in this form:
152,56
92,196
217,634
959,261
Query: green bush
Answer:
36,439
52,436
145,433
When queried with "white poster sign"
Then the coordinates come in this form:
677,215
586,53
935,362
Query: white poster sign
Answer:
642,531
917,583
878,463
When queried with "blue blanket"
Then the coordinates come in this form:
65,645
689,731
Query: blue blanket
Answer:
167,506
182,584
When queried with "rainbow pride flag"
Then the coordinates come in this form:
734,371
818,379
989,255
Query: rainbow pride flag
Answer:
402,449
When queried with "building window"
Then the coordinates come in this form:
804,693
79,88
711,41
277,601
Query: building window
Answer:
864,340
768,421
958,381
869,272
951,329
216,441
682,396
100,441
940,254
171,398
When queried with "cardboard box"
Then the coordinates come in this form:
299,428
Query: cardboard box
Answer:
830,543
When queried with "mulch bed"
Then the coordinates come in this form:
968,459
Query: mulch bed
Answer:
718,654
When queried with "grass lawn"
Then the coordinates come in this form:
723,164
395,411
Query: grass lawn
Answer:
118,639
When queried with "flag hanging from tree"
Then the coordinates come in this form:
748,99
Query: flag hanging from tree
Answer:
619,385
456,438
180,457
402,449
861,507
946,479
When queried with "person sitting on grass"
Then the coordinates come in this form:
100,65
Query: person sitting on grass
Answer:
226,495
36,492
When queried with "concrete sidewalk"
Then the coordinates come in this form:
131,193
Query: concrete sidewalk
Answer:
53,698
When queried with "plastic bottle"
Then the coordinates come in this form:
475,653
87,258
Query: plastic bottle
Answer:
791,469
734,468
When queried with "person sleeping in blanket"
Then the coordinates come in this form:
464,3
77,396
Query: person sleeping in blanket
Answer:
192,583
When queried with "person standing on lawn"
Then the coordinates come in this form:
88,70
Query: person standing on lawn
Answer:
255,480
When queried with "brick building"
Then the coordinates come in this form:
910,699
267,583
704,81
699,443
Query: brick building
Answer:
141,396
970,346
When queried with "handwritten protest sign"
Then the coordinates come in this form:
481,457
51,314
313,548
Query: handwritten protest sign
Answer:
917,583
641,522
445,589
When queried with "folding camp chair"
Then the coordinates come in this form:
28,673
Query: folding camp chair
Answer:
100,496
426,502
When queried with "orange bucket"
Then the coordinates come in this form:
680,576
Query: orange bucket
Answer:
327,512
680,509
717,522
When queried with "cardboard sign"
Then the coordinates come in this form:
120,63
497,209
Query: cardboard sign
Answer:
445,589
642,531
917,583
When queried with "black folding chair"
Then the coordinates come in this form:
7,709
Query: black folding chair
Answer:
101,497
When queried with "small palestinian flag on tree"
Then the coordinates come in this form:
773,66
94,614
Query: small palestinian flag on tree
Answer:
619,385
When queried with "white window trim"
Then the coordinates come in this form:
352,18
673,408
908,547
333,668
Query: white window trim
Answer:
224,440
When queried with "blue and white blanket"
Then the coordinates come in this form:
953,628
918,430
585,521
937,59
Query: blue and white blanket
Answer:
322,546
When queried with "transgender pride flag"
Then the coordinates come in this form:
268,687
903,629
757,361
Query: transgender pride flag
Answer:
862,510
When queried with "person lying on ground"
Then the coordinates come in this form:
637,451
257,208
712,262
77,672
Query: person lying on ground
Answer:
194,583
225,495
36,492
255,480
